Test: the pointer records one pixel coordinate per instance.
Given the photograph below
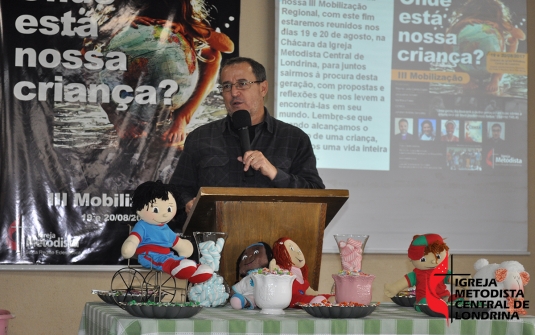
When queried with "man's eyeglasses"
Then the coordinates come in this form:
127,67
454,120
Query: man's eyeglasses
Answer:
240,85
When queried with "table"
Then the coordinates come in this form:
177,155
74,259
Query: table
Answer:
388,318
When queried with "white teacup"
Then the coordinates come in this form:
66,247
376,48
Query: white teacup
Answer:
272,292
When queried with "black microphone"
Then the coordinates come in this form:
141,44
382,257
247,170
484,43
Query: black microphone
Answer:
242,121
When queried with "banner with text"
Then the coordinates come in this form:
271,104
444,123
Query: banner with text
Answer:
97,97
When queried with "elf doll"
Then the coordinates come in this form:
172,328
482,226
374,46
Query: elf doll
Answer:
429,256
151,239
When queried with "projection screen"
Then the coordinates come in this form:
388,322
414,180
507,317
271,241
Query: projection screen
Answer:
419,109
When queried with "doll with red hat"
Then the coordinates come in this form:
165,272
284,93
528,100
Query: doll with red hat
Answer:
288,256
427,253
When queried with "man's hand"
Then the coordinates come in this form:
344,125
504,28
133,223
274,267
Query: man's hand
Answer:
189,205
255,159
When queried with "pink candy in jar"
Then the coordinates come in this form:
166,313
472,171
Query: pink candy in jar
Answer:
351,247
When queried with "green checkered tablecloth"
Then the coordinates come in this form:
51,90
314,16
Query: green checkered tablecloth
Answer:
388,318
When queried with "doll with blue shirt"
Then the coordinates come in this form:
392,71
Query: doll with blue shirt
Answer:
151,239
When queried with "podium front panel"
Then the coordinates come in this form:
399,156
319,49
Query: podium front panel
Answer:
250,222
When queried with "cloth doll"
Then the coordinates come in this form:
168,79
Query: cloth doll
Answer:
151,239
287,255
254,257
429,255
508,276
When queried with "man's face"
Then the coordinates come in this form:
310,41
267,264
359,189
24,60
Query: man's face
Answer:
251,99
450,128
403,127
427,129
496,132
254,257
159,212
429,261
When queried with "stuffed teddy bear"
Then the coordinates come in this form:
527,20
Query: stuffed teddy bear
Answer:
288,256
509,276
151,239
427,253
254,257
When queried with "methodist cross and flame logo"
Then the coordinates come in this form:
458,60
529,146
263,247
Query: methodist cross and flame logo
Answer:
436,303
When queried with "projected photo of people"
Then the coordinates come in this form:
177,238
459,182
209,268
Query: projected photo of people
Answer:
473,131
450,131
464,159
427,129
496,132
403,129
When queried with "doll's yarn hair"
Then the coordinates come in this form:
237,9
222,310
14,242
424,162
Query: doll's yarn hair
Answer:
282,257
269,254
424,244
149,191
436,248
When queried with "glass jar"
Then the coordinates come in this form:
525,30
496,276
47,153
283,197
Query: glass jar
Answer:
215,291
351,248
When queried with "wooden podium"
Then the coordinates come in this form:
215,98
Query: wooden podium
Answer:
250,215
